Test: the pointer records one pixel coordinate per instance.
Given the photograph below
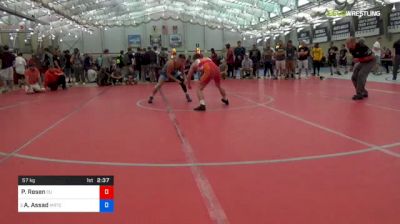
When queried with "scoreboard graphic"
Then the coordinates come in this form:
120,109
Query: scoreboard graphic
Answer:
66,194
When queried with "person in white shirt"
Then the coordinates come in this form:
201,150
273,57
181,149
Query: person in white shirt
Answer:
20,65
247,66
376,49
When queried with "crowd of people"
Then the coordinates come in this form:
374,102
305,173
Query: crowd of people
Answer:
50,68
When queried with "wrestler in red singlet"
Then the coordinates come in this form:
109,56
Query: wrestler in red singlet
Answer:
209,71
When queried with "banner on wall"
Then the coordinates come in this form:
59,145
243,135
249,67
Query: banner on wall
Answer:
304,36
341,31
175,40
155,40
134,40
367,26
394,22
320,35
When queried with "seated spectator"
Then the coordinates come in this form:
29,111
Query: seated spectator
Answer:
20,65
103,77
247,66
116,76
223,68
53,78
92,74
32,79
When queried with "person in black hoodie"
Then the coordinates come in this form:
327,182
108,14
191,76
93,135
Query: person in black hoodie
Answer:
255,56
364,62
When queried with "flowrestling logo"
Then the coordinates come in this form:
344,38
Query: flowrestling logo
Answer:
344,13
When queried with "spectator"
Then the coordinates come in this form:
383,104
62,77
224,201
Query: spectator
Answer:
387,59
247,66
107,60
67,65
103,77
268,54
138,63
376,49
119,60
303,55
163,57
77,65
87,64
239,55
332,60
280,57
47,60
316,55
290,60
56,58
230,60
343,58
396,59
146,64
255,56
99,61
116,76
214,57
127,69
20,65
223,68
6,72
53,78
32,79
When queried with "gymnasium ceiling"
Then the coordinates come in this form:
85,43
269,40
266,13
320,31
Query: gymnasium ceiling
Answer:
248,17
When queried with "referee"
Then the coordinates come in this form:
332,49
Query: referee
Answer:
364,62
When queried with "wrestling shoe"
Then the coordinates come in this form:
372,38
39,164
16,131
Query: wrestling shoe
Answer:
357,97
225,101
200,108
150,100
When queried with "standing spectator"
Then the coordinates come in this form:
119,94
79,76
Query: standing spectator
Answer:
223,68
119,60
290,60
376,49
387,59
77,65
99,61
53,78
146,64
163,57
32,79
47,60
239,55
7,73
153,59
138,63
57,58
107,60
343,58
255,56
268,54
316,55
20,65
247,66
396,59
230,60
303,55
87,64
280,57
332,60
364,62
67,66
214,57
127,69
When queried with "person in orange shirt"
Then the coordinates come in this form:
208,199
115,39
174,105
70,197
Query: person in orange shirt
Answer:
210,71
32,79
53,78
